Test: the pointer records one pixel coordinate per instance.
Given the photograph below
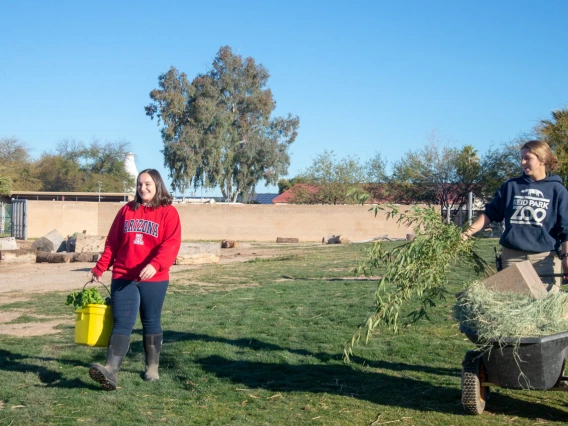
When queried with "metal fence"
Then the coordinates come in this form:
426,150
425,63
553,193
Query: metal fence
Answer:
460,219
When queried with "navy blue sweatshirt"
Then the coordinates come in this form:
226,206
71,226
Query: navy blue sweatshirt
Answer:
535,213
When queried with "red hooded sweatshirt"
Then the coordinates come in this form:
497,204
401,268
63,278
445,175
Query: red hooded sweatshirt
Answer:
141,237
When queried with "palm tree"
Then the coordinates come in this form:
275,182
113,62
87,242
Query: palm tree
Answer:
555,133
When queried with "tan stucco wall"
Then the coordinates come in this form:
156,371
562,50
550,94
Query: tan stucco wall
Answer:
66,217
244,222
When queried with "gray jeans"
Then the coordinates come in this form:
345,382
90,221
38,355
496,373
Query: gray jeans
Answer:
546,263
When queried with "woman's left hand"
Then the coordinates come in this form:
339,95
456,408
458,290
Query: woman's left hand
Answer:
148,272
565,268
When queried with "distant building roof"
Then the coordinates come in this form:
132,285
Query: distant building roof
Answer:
381,193
288,195
264,198
72,196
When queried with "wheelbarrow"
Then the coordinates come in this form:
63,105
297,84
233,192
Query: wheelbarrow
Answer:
527,363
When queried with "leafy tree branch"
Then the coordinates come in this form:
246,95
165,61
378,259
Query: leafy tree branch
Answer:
416,269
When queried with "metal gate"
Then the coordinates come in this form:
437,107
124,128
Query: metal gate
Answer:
5,219
20,219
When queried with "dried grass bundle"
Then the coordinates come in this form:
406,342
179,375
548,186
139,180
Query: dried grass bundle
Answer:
496,315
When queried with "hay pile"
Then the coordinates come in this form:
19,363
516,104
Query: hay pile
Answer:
493,315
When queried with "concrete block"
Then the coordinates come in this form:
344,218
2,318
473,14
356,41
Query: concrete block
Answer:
197,259
198,253
89,243
520,277
189,249
17,256
8,243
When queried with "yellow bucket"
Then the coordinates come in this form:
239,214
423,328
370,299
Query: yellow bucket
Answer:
93,325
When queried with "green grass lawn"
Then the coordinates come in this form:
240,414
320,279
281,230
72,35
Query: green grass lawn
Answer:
260,343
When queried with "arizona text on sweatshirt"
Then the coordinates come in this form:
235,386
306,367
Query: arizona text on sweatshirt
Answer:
535,213
141,237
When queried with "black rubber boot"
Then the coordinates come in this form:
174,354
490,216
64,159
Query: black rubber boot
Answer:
152,347
107,376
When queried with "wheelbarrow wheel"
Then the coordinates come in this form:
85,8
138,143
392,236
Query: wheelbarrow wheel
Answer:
474,394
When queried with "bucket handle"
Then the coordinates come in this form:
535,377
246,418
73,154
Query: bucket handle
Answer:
100,282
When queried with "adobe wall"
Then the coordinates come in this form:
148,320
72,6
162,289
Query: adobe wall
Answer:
243,222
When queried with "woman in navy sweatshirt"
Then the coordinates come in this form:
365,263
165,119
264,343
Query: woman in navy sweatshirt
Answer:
142,244
534,207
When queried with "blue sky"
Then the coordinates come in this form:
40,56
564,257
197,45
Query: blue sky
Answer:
363,76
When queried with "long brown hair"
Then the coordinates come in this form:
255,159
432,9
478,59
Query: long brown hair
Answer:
162,197
542,151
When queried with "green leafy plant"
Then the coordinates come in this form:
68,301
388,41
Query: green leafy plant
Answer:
416,269
88,296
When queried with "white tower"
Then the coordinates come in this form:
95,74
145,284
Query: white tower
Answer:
130,168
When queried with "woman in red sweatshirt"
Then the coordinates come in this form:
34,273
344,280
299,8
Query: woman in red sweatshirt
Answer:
142,244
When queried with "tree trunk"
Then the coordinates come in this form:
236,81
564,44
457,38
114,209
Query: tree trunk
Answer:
85,257
52,257
287,240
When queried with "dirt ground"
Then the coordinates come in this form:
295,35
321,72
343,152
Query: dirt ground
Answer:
19,281
41,277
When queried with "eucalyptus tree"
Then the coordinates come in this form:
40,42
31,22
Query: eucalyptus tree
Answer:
218,129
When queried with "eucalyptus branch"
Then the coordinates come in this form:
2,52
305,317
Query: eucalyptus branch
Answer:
418,268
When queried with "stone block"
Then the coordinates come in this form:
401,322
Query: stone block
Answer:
229,244
520,277
51,242
8,243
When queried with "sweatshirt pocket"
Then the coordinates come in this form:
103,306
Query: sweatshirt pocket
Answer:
533,239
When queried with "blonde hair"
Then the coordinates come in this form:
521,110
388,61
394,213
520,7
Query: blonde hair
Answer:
542,151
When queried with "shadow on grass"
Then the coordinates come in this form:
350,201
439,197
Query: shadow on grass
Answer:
10,361
345,379
257,345
378,388
245,343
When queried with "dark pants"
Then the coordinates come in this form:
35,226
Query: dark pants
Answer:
130,297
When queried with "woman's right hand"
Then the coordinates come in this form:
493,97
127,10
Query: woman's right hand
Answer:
93,277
